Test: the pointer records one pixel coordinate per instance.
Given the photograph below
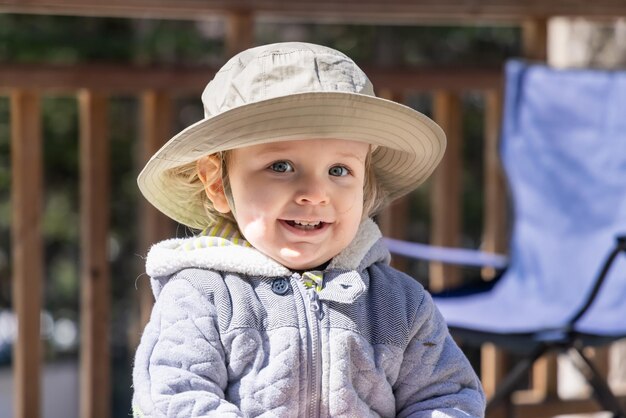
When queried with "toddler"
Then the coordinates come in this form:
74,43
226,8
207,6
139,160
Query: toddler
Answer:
285,304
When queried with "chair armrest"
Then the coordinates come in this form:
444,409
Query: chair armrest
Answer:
459,256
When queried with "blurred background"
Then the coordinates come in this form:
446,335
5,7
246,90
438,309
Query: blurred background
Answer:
36,47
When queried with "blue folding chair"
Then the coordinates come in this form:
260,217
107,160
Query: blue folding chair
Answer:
563,148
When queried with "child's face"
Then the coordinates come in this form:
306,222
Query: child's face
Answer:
299,202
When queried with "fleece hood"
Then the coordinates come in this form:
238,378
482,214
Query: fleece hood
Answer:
230,253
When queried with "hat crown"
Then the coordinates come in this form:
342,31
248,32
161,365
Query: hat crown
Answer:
282,69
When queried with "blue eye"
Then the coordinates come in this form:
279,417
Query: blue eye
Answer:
281,167
338,171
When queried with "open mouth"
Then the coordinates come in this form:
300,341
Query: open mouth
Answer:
306,225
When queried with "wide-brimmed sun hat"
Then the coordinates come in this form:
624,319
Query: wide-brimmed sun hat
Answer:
293,91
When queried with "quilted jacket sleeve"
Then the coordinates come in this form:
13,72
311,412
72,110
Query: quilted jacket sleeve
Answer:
436,379
180,368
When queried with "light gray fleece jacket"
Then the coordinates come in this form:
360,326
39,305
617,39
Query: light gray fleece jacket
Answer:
235,334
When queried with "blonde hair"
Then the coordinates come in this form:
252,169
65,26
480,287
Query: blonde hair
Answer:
186,180
374,195
191,189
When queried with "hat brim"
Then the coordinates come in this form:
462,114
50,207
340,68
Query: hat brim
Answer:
410,145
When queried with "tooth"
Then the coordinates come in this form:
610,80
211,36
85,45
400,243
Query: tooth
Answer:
305,223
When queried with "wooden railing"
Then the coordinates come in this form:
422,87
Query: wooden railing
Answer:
93,86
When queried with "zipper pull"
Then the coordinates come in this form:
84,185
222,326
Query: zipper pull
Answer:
314,304
314,282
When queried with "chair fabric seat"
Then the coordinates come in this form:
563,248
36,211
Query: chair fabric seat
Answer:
511,309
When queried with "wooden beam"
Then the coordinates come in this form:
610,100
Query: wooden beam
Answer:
27,249
109,78
353,11
104,78
446,190
453,79
95,277
156,124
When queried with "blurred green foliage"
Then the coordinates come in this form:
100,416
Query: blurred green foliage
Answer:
61,39
405,45
71,40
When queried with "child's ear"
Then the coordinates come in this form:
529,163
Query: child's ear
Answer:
210,173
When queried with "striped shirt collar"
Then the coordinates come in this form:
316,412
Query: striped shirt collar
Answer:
221,234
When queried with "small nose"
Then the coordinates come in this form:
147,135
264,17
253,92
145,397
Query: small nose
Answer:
311,191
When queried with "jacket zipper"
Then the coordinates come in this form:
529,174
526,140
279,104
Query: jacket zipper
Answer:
314,316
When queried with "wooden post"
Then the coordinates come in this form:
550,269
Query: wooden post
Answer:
393,220
95,277
446,201
27,249
495,234
239,32
602,359
544,378
535,39
156,124
492,371
494,361
493,367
